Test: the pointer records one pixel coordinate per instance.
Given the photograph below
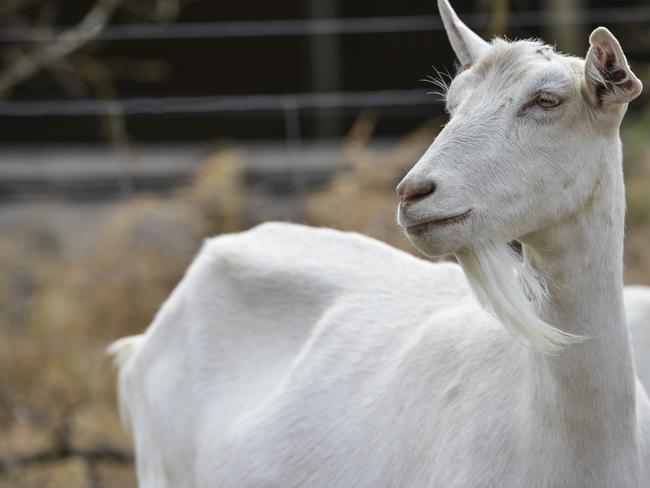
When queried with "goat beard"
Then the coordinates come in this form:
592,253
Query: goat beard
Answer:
515,294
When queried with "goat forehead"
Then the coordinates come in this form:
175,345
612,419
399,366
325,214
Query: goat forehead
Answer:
512,53
521,66
513,60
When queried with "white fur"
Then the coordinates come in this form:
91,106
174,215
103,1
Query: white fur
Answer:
510,290
297,357
637,311
121,350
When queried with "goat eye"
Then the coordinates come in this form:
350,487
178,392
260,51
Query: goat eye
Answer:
546,100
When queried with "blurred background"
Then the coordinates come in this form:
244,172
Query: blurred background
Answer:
131,130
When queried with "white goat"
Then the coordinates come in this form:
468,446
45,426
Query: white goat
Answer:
637,311
298,357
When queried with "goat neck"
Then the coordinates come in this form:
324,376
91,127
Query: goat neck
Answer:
587,390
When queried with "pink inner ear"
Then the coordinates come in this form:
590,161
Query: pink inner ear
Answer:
467,66
607,66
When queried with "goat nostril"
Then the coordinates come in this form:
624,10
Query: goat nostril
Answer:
416,192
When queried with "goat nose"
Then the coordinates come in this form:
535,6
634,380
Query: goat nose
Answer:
412,191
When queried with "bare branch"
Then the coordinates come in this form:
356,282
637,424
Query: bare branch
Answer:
60,47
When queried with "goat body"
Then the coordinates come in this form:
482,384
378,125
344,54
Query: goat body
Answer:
297,357
637,312
349,374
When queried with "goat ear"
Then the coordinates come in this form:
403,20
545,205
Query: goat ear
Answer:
609,78
467,45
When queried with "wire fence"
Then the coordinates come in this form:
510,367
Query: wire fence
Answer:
220,104
314,27
269,28
290,107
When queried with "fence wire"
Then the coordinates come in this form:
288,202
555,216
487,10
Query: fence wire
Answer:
217,104
312,27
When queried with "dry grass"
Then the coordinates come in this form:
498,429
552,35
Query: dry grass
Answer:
57,415
362,195
637,174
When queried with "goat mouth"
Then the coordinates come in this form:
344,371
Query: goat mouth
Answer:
453,219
